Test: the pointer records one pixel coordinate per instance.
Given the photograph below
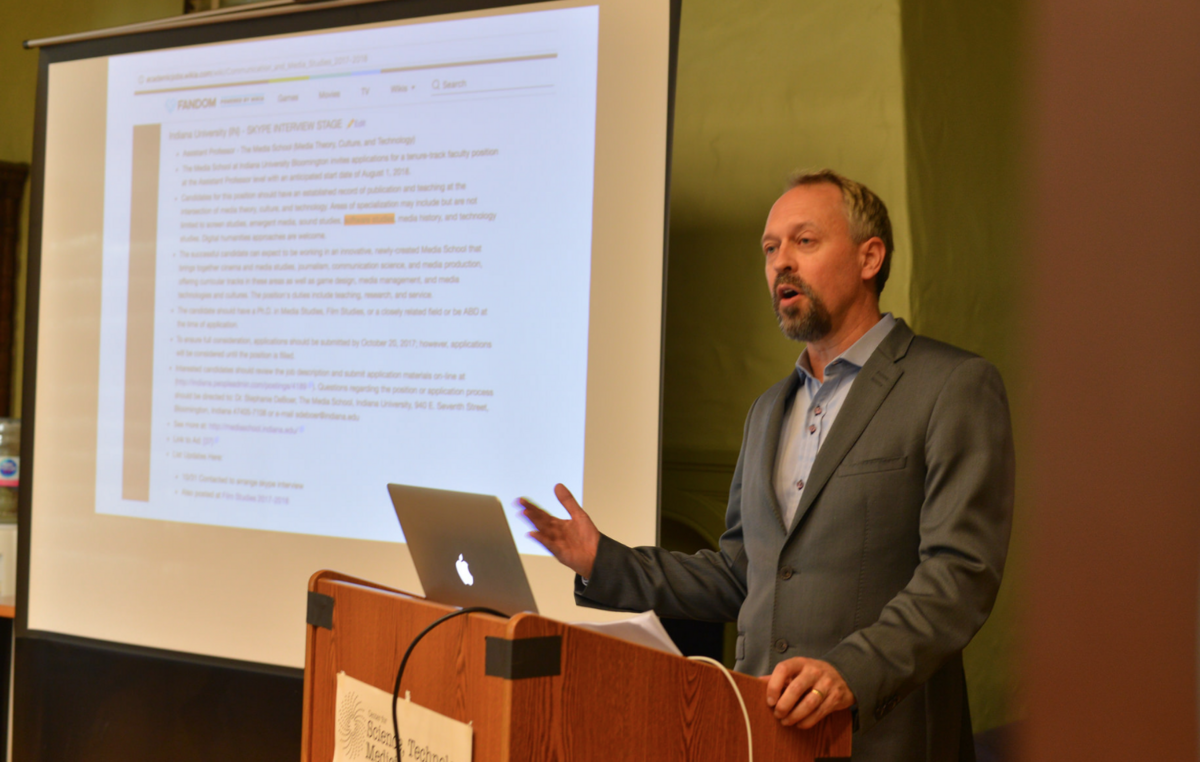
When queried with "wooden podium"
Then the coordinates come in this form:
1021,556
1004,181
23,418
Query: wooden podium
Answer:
607,699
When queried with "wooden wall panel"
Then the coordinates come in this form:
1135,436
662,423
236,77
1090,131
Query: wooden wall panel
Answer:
1112,621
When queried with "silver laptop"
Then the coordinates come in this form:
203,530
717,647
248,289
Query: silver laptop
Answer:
462,548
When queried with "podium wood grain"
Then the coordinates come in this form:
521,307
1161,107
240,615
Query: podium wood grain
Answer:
611,700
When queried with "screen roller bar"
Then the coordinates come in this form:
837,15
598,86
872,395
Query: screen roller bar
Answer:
203,18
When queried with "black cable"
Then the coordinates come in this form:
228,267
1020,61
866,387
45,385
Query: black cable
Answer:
408,653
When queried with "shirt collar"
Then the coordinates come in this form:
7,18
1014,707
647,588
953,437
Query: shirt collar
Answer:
857,353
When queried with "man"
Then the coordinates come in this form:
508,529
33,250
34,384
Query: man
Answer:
869,513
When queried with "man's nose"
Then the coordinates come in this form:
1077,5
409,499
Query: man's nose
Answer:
784,261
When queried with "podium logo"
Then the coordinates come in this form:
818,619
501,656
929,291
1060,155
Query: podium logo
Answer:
351,724
464,570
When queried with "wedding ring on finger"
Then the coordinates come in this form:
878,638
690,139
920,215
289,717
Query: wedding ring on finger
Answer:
819,693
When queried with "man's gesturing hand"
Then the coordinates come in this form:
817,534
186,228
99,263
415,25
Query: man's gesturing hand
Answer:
803,691
574,541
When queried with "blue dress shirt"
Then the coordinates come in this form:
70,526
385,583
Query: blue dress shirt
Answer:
812,412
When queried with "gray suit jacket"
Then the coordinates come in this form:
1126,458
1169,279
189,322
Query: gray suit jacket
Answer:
894,557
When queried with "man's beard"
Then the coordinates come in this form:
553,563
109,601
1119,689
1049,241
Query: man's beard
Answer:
800,322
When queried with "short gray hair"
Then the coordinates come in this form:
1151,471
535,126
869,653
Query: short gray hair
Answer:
865,212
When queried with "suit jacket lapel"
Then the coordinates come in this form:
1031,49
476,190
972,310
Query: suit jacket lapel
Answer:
871,387
771,442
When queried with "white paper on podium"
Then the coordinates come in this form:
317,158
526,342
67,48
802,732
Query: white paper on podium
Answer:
363,730
644,629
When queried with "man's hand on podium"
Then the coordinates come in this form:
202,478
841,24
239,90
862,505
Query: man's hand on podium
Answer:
803,691
573,541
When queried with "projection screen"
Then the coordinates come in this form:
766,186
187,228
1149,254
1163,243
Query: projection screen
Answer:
277,272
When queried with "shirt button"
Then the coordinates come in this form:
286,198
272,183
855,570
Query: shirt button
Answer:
781,645
812,429
800,484
785,572
817,411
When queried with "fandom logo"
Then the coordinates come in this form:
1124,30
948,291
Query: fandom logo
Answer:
189,104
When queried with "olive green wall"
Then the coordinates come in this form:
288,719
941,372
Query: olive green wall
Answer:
19,21
765,87
962,104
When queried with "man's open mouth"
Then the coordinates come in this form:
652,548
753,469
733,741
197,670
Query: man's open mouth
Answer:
787,294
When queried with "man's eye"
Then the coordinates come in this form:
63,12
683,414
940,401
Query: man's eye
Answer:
768,250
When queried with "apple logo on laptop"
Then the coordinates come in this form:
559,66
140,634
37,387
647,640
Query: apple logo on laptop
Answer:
464,570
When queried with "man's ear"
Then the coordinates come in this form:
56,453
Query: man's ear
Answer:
870,254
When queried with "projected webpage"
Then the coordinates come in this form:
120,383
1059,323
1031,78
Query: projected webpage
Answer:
343,260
